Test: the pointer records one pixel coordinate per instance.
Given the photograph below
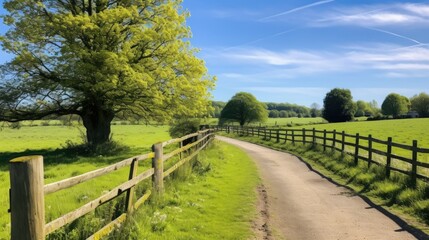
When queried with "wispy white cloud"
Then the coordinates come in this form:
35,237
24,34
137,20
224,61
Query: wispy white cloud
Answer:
376,15
420,9
390,61
297,9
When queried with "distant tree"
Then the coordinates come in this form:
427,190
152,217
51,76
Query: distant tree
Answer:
362,108
274,114
420,104
338,105
374,110
283,114
217,108
292,114
395,105
289,107
243,108
315,110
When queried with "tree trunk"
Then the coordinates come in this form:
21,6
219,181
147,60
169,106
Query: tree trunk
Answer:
97,123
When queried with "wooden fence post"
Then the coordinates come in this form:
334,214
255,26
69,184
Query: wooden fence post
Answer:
414,165
343,139
27,204
180,146
131,192
334,139
158,165
199,136
324,139
265,134
357,149
314,137
278,135
286,135
369,150
303,136
388,156
293,136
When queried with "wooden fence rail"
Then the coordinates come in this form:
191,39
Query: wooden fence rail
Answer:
28,190
350,144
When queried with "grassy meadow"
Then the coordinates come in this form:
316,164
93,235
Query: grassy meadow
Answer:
56,143
61,163
401,130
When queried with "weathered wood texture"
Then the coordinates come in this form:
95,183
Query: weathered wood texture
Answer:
27,198
28,189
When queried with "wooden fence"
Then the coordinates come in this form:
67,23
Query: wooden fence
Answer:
366,148
28,190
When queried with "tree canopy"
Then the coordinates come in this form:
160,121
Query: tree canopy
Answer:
395,105
100,59
338,106
243,108
420,104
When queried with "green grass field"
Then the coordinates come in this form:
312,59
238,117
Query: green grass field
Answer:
401,130
61,163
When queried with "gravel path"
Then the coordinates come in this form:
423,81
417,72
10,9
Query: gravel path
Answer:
303,205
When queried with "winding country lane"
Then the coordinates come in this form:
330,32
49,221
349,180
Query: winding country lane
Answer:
304,205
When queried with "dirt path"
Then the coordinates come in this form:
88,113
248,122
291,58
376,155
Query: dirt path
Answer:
303,205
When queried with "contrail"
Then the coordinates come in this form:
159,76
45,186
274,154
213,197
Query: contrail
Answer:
297,9
395,34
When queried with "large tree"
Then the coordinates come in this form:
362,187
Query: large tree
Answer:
420,104
395,105
243,108
338,106
100,59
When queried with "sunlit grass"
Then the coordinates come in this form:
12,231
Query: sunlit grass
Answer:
218,203
61,164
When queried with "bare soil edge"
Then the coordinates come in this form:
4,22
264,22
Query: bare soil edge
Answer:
261,225
416,232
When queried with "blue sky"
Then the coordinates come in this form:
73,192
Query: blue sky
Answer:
296,51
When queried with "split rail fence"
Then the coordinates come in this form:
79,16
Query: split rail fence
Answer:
28,190
402,158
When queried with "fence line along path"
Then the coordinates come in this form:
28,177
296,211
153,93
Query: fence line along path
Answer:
397,157
28,190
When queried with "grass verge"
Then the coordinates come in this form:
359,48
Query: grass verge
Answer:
211,198
394,194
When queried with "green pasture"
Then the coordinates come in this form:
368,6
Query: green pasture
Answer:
227,186
61,163
401,130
